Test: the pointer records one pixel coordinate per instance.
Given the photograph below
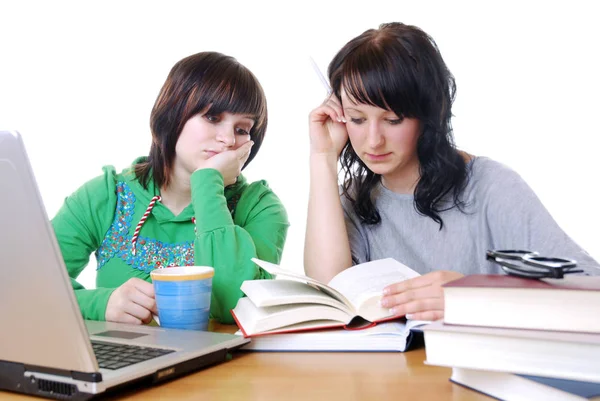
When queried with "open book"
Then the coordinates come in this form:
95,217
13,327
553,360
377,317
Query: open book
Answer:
294,302
396,336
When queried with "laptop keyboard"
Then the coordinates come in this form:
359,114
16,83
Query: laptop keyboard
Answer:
116,356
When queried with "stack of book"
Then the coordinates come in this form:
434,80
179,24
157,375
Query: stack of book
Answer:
520,339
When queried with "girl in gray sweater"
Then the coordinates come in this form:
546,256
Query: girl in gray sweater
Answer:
408,192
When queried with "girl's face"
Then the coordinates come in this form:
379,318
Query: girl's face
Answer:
386,143
204,135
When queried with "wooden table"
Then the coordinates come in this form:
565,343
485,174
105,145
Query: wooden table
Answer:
308,376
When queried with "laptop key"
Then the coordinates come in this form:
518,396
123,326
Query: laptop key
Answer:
117,356
119,365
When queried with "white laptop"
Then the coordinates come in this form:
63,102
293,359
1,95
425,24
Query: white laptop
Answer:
46,348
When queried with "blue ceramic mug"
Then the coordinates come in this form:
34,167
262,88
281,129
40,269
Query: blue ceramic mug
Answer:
183,296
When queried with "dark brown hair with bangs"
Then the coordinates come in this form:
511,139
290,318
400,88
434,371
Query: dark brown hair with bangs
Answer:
399,68
207,82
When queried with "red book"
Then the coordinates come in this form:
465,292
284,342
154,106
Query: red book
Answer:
568,304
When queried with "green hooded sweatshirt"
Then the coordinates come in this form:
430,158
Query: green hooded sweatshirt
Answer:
222,228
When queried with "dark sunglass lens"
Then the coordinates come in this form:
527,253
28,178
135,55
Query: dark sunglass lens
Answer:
549,260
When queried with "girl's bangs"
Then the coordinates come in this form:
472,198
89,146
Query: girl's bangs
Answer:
371,79
236,94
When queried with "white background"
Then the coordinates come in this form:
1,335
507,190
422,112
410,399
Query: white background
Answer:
78,80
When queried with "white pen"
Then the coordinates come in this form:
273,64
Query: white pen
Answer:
321,76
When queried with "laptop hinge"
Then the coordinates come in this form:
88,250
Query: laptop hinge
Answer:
94,377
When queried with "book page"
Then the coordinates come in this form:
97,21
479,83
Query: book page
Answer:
363,285
286,292
332,292
255,320
388,336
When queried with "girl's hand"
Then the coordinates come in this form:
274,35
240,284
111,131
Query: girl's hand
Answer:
419,298
327,128
133,302
230,162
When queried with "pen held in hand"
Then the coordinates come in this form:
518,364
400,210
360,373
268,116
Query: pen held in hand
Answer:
321,76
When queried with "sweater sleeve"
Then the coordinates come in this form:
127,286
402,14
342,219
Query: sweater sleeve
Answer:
259,230
518,219
79,226
359,246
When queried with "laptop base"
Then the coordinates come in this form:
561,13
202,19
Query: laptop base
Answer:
15,377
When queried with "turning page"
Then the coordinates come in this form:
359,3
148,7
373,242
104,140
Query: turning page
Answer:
359,287
275,270
363,284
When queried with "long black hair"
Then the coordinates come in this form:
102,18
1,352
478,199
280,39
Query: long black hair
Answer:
399,68
208,81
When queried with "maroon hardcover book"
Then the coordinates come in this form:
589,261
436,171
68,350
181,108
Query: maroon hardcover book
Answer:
568,304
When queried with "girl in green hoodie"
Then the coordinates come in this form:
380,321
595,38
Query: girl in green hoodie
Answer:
186,203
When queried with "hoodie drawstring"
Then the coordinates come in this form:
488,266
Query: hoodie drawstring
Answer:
134,239
136,233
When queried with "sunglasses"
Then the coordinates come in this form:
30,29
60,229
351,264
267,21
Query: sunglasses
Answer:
528,264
